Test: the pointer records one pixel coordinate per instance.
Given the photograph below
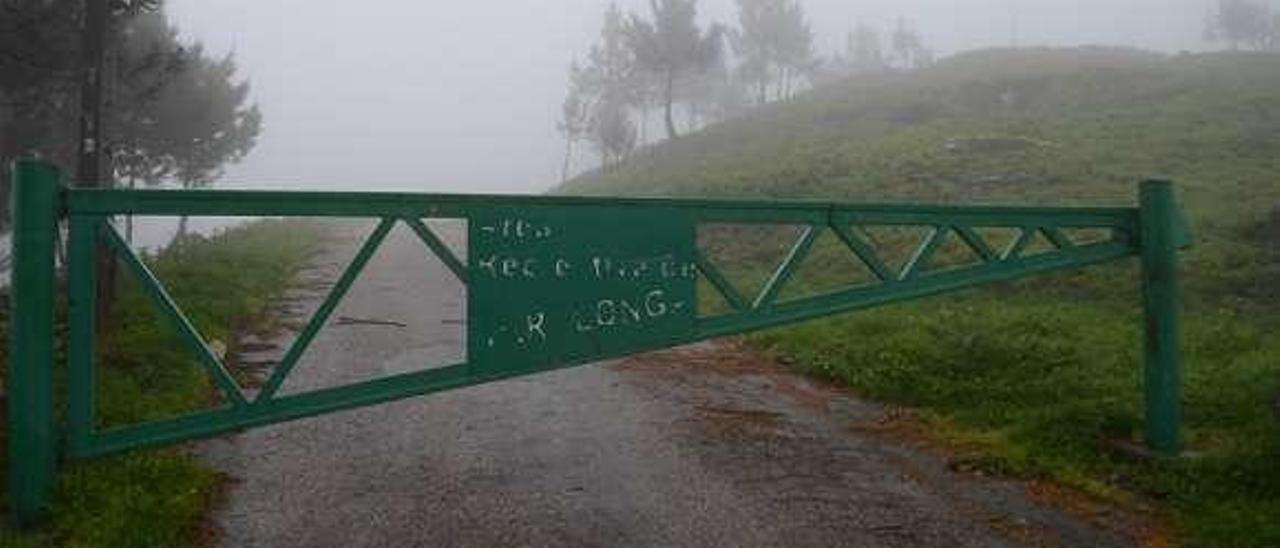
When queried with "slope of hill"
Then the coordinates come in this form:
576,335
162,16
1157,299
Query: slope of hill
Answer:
1000,125
1030,382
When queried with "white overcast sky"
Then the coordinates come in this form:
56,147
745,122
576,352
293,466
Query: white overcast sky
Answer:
462,96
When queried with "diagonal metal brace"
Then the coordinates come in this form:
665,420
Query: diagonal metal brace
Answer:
438,247
326,309
169,309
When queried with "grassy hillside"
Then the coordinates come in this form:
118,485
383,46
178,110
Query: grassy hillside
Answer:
1027,126
1026,378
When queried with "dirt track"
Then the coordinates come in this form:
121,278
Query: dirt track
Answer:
701,446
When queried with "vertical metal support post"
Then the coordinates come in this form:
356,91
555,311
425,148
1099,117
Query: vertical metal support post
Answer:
82,267
1158,215
32,429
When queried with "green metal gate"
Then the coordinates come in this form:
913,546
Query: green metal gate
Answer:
552,282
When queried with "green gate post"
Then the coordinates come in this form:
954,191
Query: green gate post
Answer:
1158,216
32,431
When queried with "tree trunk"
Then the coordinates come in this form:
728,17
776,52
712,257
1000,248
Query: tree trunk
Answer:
91,162
644,123
128,219
181,233
787,85
568,156
782,84
668,98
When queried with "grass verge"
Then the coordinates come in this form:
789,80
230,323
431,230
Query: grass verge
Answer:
1035,387
159,498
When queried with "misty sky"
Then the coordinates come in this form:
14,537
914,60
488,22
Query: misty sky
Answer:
462,96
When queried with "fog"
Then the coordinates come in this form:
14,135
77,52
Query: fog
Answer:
463,96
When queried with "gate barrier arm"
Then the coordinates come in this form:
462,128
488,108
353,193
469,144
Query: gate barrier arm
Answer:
547,287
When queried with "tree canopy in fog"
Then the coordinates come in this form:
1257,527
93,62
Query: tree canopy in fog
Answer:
1246,23
774,45
664,59
171,109
670,46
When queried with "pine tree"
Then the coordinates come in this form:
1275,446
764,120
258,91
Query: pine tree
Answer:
671,48
865,50
775,45
1241,23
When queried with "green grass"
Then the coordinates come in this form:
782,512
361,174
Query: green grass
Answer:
1036,385
159,498
1033,378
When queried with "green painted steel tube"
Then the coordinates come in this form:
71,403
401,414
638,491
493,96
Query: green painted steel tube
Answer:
1025,235
976,243
788,268
1156,222
326,309
439,248
283,408
280,409
253,203
863,250
1158,217
720,283
920,259
82,284
33,435
1057,238
897,291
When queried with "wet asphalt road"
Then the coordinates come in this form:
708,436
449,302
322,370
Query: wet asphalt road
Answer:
702,446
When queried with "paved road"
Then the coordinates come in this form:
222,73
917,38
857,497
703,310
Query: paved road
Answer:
702,446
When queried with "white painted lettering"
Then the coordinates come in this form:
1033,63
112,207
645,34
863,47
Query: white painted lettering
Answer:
509,267
606,315
630,311
489,264
654,304
536,324
581,326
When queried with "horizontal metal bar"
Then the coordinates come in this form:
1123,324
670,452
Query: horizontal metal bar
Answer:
738,213
994,217
255,203
219,421
926,285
